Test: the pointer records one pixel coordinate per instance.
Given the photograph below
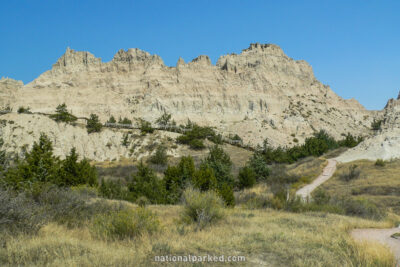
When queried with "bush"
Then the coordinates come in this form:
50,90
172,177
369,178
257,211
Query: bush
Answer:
145,127
177,177
259,166
114,190
376,125
125,140
160,157
196,134
41,166
226,193
380,163
321,197
112,120
221,163
19,214
69,207
164,119
3,156
125,224
362,208
124,121
201,208
24,110
204,179
73,173
352,173
146,183
142,202
246,177
196,144
93,125
62,114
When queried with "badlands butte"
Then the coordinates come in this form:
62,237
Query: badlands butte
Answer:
258,94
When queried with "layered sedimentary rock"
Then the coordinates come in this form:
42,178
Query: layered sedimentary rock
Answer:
257,94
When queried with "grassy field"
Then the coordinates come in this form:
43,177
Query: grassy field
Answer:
379,184
265,237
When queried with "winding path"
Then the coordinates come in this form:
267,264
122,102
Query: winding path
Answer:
327,173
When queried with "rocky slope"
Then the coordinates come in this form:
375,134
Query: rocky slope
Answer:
259,93
386,142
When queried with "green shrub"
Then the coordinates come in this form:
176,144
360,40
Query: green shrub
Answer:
226,192
204,179
146,183
196,134
73,172
160,157
93,124
3,157
259,166
376,125
352,173
62,114
362,208
177,177
114,190
39,165
24,110
164,119
221,163
125,140
201,208
380,163
112,120
321,197
246,177
125,224
196,144
145,127
124,121
142,202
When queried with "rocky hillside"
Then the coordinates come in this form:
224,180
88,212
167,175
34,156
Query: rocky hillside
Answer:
259,93
385,144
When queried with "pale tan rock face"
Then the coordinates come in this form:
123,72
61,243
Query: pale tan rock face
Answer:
385,144
260,93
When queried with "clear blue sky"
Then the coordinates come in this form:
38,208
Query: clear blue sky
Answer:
353,46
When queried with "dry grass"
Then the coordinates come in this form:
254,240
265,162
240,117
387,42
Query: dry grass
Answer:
378,184
264,237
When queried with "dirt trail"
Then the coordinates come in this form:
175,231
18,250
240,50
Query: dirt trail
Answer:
327,173
382,236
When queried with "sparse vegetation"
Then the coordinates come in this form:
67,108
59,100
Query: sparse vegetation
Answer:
160,157
63,115
376,125
125,224
380,163
145,127
201,208
24,110
93,124
164,119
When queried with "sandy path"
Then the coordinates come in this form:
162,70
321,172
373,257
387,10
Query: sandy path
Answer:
382,236
327,173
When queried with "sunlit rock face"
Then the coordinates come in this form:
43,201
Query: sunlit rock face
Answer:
257,94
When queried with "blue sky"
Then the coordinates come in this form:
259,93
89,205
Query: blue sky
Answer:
353,46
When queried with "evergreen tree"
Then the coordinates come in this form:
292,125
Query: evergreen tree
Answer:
93,124
62,114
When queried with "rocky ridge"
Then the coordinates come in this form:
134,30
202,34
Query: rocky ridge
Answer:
257,94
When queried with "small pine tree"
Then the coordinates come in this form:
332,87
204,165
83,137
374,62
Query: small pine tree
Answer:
62,114
226,193
93,124
164,119
111,120
204,179
160,157
125,140
246,177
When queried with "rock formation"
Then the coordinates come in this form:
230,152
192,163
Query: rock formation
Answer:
259,93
